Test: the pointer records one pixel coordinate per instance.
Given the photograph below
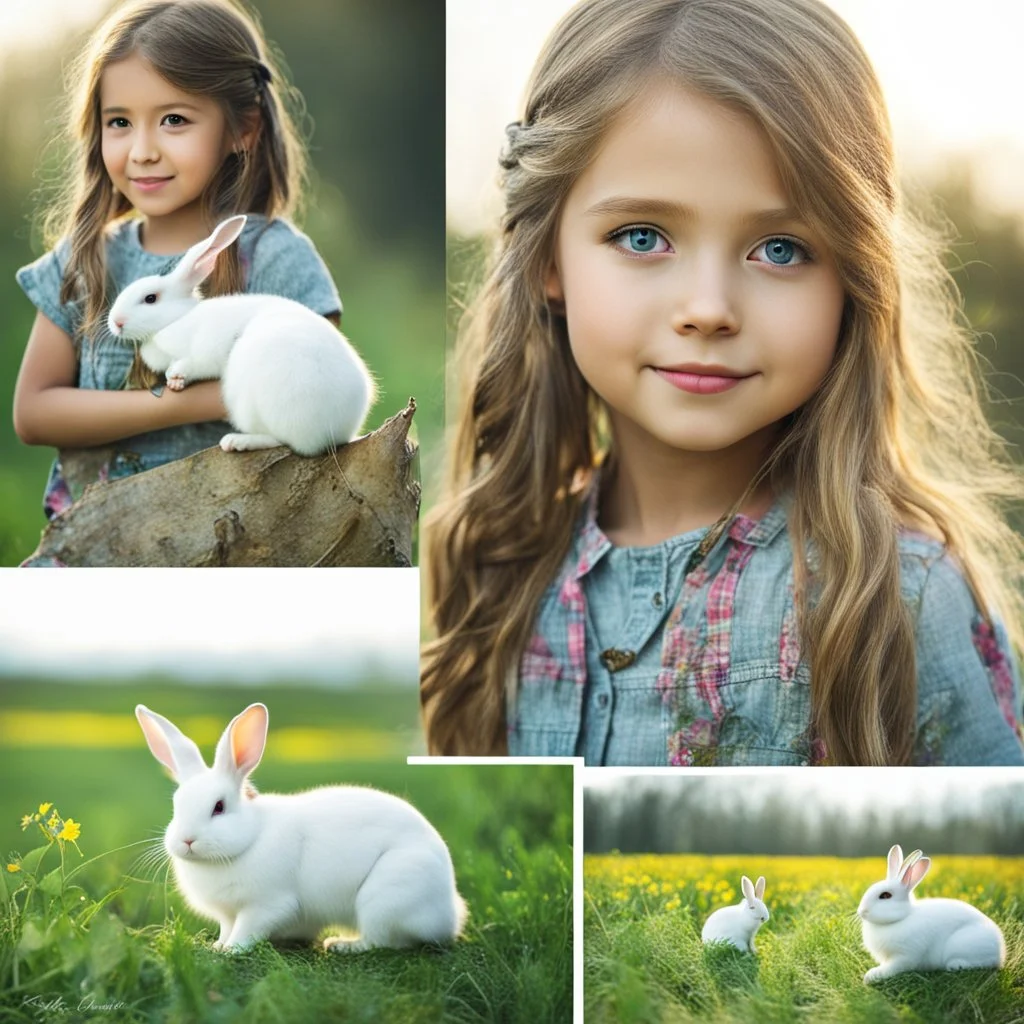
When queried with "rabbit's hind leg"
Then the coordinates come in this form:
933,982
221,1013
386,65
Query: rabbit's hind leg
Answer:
248,442
408,898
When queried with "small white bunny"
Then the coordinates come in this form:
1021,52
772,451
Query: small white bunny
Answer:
288,376
738,924
906,934
273,866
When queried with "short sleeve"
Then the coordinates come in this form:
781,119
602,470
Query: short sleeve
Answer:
285,262
968,682
41,282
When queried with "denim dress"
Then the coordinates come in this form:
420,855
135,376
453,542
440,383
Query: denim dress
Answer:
277,259
634,661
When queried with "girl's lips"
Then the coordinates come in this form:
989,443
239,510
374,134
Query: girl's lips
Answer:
149,184
699,383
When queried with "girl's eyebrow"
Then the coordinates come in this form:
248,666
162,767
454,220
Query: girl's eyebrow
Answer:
635,206
166,106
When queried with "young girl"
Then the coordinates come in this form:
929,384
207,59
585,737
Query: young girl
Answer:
179,121
721,491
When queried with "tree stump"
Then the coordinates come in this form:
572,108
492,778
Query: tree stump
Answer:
356,506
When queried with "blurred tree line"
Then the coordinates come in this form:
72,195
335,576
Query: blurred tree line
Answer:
730,816
372,75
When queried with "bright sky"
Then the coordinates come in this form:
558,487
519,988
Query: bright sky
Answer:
951,74
31,25
328,624
854,788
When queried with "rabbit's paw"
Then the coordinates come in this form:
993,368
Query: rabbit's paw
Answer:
338,945
248,442
177,381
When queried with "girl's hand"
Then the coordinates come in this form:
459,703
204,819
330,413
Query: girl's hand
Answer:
50,410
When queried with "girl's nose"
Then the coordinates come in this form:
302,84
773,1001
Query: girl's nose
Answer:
144,149
705,302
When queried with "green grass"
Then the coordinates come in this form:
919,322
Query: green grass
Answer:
147,957
644,962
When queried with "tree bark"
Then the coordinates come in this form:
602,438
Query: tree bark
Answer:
356,506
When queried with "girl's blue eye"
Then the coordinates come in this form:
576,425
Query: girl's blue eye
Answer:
175,120
783,252
118,122
641,240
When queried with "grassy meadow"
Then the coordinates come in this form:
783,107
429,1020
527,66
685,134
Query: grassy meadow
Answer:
103,935
644,961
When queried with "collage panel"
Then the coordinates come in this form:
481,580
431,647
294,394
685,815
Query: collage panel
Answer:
289,151
846,895
735,391
219,823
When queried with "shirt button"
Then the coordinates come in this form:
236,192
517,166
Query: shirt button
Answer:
657,600
602,700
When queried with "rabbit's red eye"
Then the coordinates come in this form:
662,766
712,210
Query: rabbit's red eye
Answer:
218,807
150,299
885,896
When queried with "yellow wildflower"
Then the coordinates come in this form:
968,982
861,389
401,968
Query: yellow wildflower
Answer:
26,821
43,808
13,867
71,830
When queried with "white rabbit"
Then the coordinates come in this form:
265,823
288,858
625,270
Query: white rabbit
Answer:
288,376
273,866
739,923
906,934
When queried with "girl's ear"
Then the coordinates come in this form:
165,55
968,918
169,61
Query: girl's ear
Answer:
250,132
553,288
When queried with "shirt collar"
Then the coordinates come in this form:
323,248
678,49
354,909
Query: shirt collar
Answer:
592,544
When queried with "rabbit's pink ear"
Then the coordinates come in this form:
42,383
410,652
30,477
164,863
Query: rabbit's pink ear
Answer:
169,745
895,861
198,263
915,873
243,742
759,887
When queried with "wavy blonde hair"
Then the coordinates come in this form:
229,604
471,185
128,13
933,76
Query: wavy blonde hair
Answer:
895,435
208,47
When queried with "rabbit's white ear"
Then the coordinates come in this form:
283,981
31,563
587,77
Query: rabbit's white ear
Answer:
915,873
748,887
198,263
169,745
910,860
895,862
759,888
241,746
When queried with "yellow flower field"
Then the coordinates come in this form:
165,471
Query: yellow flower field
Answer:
664,882
644,960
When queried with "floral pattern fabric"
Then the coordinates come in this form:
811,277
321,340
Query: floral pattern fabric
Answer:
714,676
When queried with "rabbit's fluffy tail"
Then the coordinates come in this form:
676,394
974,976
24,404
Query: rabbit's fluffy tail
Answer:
461,914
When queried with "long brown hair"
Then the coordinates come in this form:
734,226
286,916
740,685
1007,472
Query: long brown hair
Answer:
895,434
209,47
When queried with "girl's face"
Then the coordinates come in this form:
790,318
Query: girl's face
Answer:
161,146
699,306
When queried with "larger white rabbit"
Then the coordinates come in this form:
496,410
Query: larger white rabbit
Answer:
907,934
288,376
272,866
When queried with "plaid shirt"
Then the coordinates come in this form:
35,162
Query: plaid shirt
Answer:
635,662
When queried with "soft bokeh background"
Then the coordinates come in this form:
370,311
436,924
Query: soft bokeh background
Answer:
837,812
372,76
337,671
953,89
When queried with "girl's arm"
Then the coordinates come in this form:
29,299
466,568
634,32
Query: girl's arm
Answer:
50,410
967,680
